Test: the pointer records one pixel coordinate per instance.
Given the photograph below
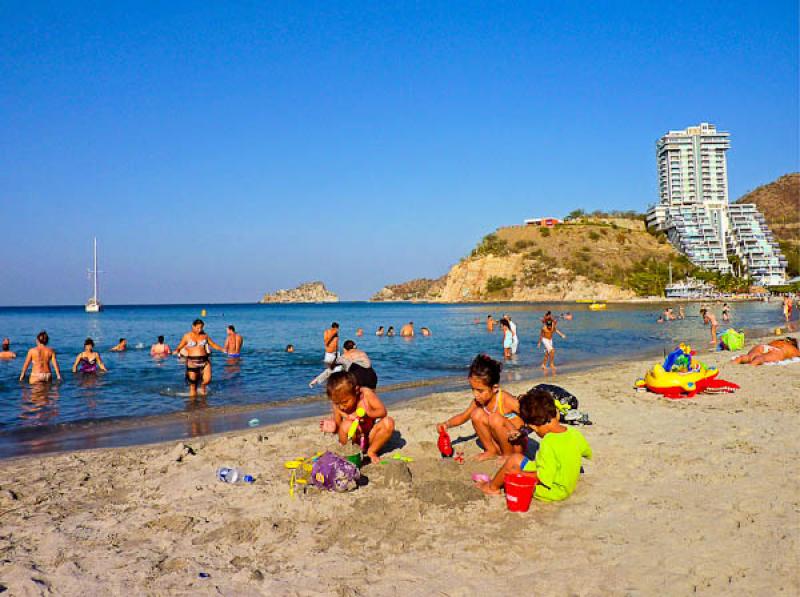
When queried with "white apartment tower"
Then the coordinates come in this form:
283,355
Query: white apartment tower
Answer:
693,208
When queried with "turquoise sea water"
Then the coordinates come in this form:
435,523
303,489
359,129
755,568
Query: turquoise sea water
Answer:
140,389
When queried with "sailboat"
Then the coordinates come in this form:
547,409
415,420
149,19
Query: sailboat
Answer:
93,304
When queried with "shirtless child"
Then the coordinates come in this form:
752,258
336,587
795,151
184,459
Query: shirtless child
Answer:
39,358
549,327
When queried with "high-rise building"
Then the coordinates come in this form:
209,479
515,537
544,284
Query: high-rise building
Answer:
693,209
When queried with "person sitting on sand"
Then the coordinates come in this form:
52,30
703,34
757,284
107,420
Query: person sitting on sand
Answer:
88,361
354,360
407,331
390,331
549,327
5,352
40,358
491,411
775,351
709,319
159,349
558,460
347,397
122,346
425,331
379,331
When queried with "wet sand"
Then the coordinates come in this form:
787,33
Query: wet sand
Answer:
682,497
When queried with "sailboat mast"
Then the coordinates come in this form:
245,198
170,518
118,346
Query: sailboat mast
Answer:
95,269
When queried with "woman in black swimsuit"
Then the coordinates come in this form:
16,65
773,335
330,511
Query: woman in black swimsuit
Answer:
198,347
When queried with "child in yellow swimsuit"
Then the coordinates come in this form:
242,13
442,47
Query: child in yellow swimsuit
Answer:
493,411
558,459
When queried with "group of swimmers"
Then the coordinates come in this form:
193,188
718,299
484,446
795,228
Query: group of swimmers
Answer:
497,416
406,331
194,348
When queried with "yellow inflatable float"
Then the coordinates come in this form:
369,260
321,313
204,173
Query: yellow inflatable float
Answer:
673,382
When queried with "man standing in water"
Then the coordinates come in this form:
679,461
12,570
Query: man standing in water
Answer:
709,319
331,340
513,327
233,343
407,331
39,358
489,323
6,353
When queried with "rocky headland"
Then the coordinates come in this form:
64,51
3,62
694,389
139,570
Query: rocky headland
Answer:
588,258
308,292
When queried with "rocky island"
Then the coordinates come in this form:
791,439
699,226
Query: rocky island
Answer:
308,292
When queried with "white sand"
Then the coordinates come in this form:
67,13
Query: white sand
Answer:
683,497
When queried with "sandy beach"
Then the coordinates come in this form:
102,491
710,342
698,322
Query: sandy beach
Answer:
683,497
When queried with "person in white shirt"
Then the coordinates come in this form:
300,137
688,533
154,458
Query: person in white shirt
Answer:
514,339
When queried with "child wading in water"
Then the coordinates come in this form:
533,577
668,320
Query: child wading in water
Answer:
558,460
549,327
493,411
347,397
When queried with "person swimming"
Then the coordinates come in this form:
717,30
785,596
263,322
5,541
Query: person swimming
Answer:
88,361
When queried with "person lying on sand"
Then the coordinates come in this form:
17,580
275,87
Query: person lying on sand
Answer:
493,411
347,397
775,351
558,459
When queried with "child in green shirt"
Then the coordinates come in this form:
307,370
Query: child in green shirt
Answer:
558,460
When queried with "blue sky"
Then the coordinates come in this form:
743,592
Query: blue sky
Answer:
220,150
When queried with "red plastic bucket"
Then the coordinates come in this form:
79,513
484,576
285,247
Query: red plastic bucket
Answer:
519,491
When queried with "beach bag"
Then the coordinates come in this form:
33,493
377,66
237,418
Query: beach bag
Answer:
564,400
334,473
732,340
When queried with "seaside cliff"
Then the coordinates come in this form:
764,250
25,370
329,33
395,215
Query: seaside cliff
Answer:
591,258
308,292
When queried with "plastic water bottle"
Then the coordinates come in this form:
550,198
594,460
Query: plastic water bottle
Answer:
233,475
